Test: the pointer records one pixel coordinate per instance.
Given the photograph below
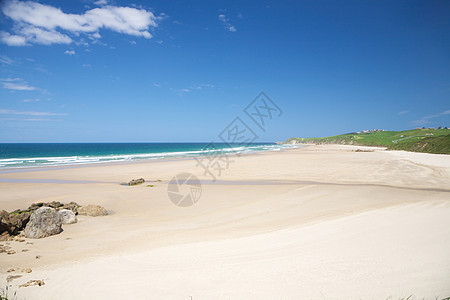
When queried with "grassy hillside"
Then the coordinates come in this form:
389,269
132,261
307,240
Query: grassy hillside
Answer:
418,140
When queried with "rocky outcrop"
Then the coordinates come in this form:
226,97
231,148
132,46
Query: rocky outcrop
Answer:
14,222
68,216
53,204
92,210
4,220
44,222
136,181
73,206
43,219
35,206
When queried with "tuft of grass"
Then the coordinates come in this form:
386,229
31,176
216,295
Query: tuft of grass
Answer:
149,185
4,294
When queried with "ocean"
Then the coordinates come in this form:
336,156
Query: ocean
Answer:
24,155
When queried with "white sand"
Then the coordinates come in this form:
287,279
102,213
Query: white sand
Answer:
328,223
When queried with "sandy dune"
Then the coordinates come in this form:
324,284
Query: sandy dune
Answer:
320,222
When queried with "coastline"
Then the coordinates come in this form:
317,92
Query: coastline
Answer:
257,218
78,158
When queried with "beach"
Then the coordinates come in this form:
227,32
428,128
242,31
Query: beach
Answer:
317,222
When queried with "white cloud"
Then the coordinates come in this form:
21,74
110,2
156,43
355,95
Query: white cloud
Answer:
403,112
426,119
195,88
6,60
28,113
226,23
201,86
69,52
44,36
30,100
27,119
101,2
36,23
16,84
156,85
94,36
11,79
12,40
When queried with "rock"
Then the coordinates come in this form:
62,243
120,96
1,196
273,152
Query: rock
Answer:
6,237
54,204
4,222
4,249
25,250
27,270
38,257
32,282
68,216
12,277
136,181
18,221
11,252
11,270
92,210
35,206
44,222
14,222
73,206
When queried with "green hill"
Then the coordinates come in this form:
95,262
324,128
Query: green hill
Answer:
417,140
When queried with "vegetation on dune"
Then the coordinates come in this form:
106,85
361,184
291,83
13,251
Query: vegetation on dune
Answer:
434,144
417,140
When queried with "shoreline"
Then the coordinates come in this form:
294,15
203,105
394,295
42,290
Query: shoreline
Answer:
6,170
168,159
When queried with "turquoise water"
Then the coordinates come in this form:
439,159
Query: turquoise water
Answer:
55,154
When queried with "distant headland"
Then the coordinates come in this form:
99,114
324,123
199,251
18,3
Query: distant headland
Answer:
428,140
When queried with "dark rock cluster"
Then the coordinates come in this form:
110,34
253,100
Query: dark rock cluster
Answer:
136,181
43,219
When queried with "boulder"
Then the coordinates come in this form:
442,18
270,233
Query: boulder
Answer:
73,206
18,221
13,222
136,181
4,220
54,204
92,210
35,206
44,222
68,216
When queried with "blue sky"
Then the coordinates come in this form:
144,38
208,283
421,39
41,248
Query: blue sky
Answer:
148,71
